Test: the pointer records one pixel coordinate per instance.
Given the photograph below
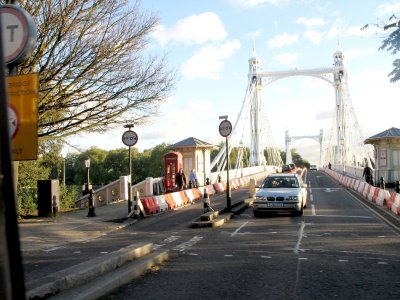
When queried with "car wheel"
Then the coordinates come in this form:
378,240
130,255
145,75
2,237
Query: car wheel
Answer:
299,213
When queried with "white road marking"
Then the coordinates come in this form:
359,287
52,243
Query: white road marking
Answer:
311,198
266,256
168,240
83,225
54,249
183,246
343,260
300,237
228,255
313,210
238,229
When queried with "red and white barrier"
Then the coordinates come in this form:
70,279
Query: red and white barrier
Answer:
161,202
394,203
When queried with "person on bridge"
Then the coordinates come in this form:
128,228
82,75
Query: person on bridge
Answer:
192,179
367,173
180,179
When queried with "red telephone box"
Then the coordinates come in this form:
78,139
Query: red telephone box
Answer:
172,163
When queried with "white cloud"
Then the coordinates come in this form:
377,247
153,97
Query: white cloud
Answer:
282,40
314,36
287,58
387,9
209,61
254,3
312,22
196,29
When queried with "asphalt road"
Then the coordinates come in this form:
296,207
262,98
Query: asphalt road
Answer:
339,249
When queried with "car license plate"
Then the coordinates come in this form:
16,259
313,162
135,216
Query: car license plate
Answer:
275,204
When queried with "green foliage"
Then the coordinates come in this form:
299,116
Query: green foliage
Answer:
68,194
296,158
391,43
29,173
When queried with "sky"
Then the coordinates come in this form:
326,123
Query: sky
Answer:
209,43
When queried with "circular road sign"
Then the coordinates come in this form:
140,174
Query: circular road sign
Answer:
130,138
19,33
225,128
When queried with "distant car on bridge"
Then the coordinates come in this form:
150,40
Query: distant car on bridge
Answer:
313,168
289,168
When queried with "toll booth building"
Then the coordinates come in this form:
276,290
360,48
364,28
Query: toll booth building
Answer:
195,155
387,154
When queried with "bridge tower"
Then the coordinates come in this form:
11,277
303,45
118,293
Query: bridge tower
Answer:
289,139
342,108
257,157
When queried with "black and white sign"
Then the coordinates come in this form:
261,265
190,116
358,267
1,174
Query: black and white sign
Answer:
225,128
129,138
19,33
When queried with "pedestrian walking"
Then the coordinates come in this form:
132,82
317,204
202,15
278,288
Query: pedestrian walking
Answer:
180,179
192,179
367,173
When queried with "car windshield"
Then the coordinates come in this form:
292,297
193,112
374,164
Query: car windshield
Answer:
280,182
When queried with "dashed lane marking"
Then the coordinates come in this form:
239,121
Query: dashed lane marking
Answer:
183,246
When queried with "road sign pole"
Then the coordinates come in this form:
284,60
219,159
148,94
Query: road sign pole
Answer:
13,285
130,182
129,138
225,129
228,187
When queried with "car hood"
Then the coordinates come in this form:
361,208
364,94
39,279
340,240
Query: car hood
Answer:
278,192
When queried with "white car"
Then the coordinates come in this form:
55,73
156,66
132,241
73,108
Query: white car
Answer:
313,168
281,192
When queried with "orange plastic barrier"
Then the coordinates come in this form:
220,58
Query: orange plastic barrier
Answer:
150,205
196,193
185,199
170,201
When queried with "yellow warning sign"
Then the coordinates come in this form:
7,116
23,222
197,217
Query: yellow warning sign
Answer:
23,116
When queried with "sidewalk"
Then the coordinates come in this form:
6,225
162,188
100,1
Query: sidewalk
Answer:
41,233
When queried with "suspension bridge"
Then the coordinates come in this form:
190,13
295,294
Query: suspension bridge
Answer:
343,146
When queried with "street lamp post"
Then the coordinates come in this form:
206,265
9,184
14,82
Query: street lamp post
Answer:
89,190
225,129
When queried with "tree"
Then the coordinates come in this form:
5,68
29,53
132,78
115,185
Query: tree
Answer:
93,72
296,158
391,43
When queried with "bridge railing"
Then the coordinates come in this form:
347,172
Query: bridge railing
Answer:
118,189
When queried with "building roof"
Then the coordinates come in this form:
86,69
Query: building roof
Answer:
387,134
192,142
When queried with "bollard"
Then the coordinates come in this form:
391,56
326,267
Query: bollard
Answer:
382,184
207,181
136,207
219,178
207,202
55,207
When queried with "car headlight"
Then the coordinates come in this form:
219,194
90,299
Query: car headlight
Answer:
293,198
